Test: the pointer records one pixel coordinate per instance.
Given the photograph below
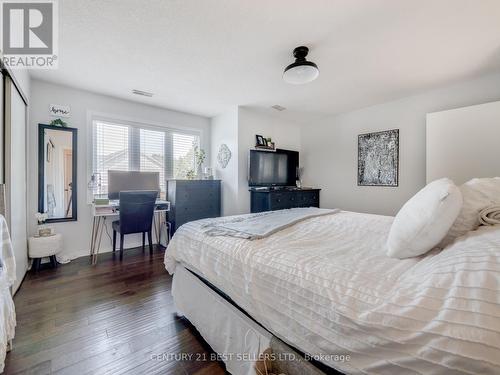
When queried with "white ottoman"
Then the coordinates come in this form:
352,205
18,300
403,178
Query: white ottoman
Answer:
40,247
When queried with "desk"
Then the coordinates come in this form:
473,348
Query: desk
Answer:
101,212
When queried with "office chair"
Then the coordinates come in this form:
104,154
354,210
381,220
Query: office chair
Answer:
136,216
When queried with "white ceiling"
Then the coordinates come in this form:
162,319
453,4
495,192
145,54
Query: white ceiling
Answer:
203,56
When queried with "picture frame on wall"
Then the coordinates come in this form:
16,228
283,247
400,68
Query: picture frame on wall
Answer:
378,158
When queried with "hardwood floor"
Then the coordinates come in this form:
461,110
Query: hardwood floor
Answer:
112,318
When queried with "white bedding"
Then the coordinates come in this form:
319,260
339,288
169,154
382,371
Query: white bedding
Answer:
326,286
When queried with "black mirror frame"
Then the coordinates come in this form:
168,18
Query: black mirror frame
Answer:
41,170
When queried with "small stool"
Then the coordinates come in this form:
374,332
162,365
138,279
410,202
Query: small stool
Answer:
41,247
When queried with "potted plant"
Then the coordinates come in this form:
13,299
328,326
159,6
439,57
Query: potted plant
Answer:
59,122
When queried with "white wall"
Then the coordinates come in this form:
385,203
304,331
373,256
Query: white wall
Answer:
76,235
329,148
224,130
463,143
237,128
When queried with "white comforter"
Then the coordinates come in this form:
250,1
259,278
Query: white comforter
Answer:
326,286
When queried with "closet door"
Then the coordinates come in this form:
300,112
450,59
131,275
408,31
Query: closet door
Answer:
2,130
15,176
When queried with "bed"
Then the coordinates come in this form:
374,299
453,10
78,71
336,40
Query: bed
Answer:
325,287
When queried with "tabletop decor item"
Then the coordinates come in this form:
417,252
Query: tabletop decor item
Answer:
199,158
260,141
44,230
270,143
207,174
264,143
300,175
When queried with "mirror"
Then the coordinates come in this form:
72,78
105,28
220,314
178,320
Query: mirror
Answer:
57,148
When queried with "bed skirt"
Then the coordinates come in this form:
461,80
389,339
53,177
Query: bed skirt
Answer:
237,340
243,345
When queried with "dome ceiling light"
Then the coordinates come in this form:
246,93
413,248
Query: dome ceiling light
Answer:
301,71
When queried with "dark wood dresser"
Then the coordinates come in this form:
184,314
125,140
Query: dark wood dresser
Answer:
192,200
270,200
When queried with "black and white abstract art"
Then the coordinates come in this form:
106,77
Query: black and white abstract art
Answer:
378,158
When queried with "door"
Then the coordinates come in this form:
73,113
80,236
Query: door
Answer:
15,176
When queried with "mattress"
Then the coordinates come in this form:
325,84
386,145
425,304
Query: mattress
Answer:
326,287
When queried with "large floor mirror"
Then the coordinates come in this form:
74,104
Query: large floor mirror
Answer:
57,193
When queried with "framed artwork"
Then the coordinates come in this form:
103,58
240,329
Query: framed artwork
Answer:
260,140
378,158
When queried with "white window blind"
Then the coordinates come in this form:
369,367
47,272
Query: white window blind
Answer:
152,153
140,148
183,146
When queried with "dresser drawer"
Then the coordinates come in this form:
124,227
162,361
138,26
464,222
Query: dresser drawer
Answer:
309,199
279,201
193,200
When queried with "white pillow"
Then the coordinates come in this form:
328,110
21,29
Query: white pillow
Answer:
477,194
424,220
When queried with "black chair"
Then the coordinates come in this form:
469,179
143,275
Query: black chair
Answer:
136,216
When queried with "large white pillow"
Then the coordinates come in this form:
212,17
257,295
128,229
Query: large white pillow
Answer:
424,220
477,194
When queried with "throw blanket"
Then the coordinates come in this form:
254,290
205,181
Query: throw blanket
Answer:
7,278
7,260
262,225
490,215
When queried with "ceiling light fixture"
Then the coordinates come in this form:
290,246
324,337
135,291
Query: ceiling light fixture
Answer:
143,93
301,71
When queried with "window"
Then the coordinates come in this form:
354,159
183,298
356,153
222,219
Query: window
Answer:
140,148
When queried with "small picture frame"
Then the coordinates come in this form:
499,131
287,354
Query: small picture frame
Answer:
260,141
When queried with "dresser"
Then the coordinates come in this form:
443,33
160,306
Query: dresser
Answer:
270,200
192,200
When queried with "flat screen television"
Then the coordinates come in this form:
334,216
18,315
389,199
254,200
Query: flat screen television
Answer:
278,168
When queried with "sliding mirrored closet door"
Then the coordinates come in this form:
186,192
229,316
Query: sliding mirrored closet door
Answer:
15,174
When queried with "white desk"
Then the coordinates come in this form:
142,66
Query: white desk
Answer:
101,212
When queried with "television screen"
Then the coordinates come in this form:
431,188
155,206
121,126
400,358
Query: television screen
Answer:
273,168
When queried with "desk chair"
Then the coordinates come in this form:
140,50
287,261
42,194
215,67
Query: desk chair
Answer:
136,216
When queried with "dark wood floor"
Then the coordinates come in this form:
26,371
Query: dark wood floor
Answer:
112,318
